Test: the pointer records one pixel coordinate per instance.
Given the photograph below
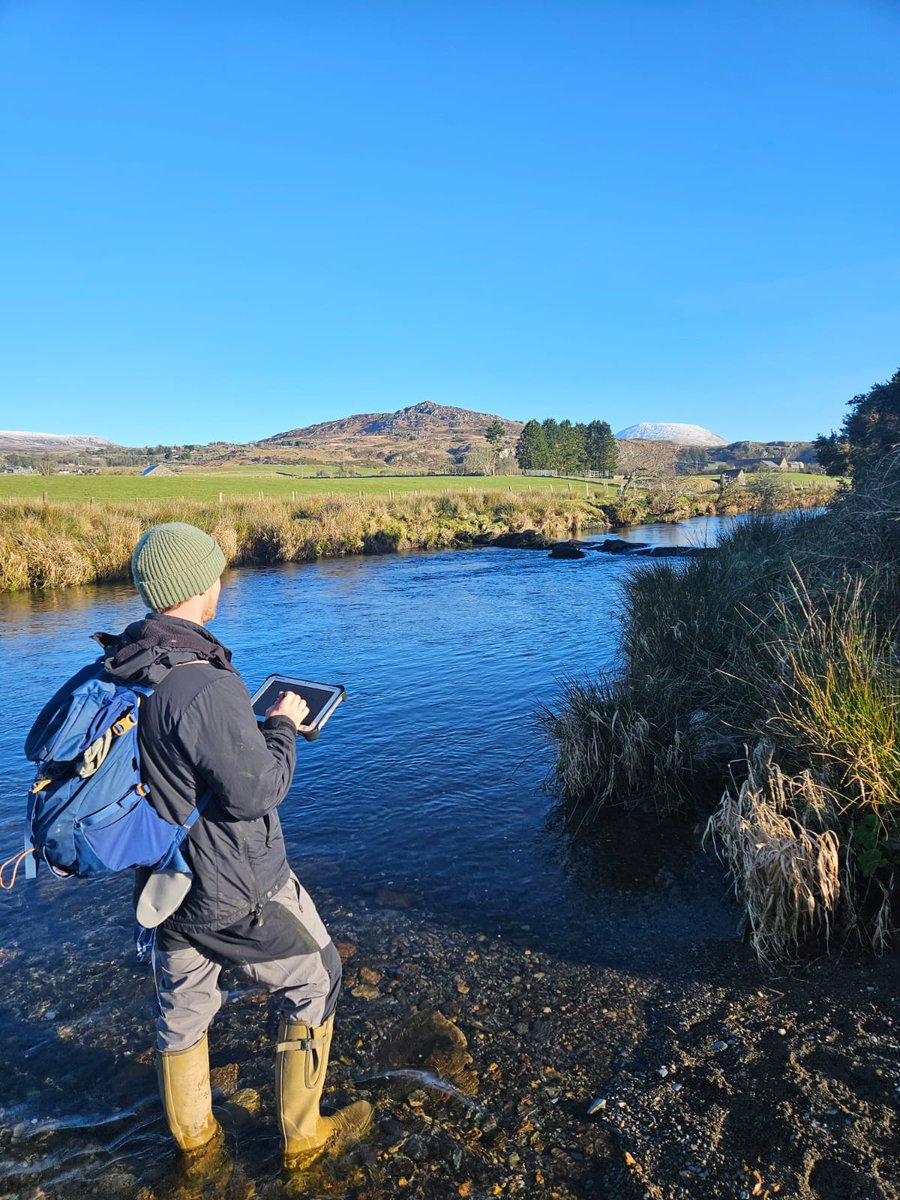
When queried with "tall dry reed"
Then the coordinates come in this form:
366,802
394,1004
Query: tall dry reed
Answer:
46,545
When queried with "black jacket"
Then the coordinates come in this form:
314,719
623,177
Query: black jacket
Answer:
197,732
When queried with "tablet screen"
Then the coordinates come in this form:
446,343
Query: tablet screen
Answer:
318,696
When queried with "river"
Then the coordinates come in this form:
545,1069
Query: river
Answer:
426,792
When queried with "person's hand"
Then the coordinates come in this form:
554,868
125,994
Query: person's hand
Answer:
292,706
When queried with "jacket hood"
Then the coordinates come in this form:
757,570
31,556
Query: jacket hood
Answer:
148,649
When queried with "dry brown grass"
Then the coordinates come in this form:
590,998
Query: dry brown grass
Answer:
47,545
783,855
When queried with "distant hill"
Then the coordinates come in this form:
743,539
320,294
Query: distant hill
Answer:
663,431
745,453
424,435
15,441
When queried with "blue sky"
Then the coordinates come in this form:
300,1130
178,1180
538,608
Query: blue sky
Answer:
228,219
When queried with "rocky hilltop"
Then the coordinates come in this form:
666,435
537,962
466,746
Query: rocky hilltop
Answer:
424,435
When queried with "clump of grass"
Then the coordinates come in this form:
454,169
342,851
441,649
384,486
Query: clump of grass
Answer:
835,691
783,858
610,752
786,636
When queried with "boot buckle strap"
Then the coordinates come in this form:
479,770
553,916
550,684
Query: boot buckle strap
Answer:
307,1043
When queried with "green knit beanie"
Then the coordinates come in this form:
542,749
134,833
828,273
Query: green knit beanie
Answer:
173,562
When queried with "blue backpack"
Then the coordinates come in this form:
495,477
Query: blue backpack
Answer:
88,810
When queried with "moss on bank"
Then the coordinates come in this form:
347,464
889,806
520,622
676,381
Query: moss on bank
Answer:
768,671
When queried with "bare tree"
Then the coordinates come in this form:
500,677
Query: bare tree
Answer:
645,458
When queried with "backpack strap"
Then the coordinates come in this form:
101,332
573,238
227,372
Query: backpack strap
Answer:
28,849
174,857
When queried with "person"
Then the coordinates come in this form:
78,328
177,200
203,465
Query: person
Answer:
198,736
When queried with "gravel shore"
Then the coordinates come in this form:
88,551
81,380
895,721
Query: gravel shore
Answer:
497,1068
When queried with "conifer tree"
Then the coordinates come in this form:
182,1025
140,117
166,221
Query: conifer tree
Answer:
532,451
602,449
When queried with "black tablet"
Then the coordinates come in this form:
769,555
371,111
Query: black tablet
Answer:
322,698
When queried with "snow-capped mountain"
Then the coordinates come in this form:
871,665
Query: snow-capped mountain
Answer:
667,431
18,441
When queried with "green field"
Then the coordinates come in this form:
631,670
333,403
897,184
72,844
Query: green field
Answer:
800,479
251,483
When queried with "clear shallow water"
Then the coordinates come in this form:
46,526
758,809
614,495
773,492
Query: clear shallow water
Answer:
430,777
429,780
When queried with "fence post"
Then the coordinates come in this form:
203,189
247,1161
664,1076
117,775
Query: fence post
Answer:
220,497
44,497
293,495
390,493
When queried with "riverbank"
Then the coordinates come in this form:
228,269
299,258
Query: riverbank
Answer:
702,1079
60,544
767,672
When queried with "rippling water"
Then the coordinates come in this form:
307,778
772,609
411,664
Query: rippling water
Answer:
428,781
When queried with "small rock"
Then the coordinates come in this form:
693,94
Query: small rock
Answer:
369,975
365,991
528,539
613,545
224,1078
346,950
566,550
718,1046
416,1147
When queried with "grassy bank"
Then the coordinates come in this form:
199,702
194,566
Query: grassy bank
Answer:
765,676
59,544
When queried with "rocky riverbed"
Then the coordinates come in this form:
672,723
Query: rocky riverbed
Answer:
496,1070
